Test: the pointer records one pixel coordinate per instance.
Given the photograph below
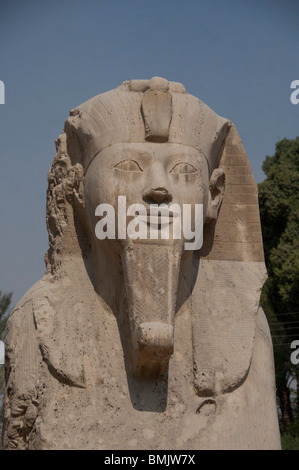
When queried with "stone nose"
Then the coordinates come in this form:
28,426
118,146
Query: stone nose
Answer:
158,195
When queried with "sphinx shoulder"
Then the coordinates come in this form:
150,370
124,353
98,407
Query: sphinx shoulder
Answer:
23,366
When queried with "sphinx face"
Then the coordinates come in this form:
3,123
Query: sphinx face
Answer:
148,175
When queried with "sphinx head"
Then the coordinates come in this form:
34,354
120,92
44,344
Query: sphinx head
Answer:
146,149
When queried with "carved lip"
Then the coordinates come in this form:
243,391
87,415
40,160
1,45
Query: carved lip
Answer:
156,218
155,221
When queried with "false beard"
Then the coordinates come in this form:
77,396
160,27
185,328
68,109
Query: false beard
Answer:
151,278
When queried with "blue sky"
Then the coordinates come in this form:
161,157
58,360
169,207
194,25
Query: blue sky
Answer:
239,57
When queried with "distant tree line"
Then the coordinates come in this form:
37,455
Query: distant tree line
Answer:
279,210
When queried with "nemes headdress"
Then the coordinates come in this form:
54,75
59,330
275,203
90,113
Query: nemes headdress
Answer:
154,110
229,269
157,110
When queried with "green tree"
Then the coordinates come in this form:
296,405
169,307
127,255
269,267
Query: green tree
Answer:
279,209
5,300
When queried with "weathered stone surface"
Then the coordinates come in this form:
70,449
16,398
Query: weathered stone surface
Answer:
141,344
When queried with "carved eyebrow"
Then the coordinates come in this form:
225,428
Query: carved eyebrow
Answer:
185,168
128,160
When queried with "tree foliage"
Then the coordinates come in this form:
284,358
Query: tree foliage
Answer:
279,210
279,206
5,300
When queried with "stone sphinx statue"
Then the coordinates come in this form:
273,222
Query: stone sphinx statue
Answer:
139,343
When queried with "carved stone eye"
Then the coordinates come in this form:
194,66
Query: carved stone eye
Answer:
183,169
128,165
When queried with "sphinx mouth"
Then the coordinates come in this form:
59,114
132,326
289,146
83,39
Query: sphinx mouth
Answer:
157,218
156,221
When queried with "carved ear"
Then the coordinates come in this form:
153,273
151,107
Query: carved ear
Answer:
216,191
